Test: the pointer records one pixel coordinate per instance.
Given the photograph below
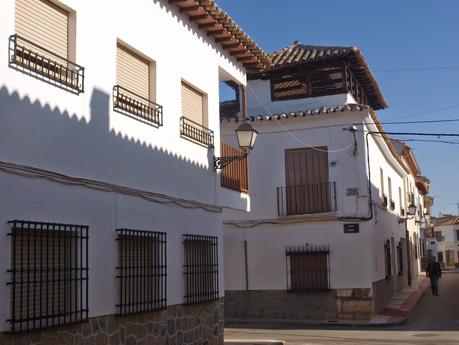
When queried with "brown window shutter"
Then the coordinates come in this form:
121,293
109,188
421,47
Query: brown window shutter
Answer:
133,72
43,23
193,107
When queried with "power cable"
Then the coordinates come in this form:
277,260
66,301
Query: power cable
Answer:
413,69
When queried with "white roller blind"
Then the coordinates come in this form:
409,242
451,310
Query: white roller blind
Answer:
133,72
193,104
44,24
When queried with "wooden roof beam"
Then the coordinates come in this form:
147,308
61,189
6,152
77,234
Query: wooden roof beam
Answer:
238,52
215,32
189,8
199,17
246,58
223,39
231,46
207,25
176,1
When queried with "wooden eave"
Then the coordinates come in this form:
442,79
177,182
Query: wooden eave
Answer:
218,25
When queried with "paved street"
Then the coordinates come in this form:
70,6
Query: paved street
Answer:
434,321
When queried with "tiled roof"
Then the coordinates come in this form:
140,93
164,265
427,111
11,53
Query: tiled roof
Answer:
306,113
299,53
447,221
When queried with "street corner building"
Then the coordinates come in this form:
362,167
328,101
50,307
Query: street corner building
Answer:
336,204
111,209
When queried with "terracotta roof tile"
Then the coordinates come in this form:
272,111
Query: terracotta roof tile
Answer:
447,221
305,113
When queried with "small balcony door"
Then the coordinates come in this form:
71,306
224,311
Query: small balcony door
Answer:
307,181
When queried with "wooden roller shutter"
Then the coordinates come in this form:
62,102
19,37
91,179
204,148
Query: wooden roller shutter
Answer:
133,72
43,23
193,104
306,175
42,262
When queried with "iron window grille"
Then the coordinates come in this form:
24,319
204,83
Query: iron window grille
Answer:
400,258
392,205
387,257
41,63
132,104
308,268
49,274
141,271
196,133
201,268
306,199
384,200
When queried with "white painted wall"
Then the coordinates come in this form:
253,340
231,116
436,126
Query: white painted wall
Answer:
48,128
356,260
450,241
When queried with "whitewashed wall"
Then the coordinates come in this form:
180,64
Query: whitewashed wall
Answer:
46,127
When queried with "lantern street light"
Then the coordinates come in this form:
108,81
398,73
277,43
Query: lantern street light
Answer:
246,137
412,209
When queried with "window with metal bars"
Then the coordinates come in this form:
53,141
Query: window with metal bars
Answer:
387,258
400,258
201,268
308,268
141,271
49,274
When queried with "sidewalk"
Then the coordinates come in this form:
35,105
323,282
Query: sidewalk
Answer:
394,313
397,310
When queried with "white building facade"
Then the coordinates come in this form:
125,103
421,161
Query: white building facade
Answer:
327,236
446,233
110,203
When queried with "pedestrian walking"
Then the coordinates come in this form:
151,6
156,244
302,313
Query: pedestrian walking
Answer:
433,271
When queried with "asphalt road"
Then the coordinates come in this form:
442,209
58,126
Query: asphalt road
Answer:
434,321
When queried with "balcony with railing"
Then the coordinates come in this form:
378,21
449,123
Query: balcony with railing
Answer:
196,132
132,104
306,199
41,63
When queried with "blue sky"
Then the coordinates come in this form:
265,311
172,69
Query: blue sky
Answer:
406,43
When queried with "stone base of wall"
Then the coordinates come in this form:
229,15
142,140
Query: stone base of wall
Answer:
383,291
282,305
179,324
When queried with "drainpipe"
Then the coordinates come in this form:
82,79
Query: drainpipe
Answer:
246,266
244,103
370,198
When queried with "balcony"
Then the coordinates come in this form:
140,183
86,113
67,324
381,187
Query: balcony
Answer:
196,132
131,104
41,63
306,199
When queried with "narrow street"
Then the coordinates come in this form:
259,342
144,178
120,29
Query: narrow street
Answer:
434,321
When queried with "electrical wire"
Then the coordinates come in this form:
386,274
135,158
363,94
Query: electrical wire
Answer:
28,171
412,69
293,135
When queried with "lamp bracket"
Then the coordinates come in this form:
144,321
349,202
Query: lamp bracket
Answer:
221,162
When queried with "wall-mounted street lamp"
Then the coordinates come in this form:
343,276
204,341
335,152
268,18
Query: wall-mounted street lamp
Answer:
246,137
411,209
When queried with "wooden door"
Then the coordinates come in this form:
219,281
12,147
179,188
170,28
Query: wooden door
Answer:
307,185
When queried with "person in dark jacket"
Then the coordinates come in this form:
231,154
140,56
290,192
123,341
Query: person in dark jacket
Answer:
433,271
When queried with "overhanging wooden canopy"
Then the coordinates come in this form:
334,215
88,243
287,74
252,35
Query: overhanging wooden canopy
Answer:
218,25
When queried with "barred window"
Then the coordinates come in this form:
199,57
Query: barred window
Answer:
201,268
400,258
308,268
141,271
49,274
387,259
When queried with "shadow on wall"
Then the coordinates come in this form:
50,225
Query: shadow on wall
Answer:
36,135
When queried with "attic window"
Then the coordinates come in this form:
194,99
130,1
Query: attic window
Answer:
290,87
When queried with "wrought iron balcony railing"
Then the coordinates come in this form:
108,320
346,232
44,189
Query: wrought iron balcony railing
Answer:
43,64
306,199
130,103
195,132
